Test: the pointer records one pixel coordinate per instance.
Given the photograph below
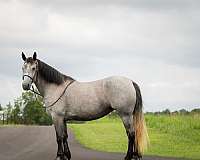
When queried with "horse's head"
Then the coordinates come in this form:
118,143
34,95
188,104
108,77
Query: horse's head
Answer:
30,70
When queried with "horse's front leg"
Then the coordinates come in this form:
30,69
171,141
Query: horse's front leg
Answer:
59,127
65,143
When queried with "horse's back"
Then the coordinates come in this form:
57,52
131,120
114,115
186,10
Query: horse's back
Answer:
117,91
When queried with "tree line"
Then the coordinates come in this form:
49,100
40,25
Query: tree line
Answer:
27,109
195,111
177,112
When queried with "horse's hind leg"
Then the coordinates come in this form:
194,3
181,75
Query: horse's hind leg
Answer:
132,152
127,120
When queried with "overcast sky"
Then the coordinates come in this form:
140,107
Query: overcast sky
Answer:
155,43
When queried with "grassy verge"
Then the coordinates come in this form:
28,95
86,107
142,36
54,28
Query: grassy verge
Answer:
173,136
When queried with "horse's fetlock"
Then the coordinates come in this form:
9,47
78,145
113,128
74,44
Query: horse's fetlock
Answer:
59,138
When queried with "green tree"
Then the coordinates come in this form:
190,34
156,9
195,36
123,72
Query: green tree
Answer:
28,109
33,111
16,111
166,111
9,108
1,108
183,112
8,112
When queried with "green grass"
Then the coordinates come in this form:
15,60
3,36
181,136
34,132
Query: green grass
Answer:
173,136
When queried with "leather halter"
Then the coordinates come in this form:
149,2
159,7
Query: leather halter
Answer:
26,75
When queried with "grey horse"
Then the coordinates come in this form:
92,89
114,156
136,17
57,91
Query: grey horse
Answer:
67,99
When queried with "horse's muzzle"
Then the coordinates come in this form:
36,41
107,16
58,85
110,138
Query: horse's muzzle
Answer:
26,86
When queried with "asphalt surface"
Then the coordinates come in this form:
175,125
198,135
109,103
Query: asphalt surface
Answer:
39,143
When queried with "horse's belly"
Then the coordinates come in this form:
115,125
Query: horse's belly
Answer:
89,112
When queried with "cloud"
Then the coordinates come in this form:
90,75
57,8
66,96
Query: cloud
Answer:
122,28
10,89
154,43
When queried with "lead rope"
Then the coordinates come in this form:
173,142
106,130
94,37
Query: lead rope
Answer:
61,94
35,92
36,98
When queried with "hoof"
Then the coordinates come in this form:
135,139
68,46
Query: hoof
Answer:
132,157
68,158
59,158
67,155
128,157
137,157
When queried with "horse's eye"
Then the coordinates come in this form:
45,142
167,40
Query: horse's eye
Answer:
33,68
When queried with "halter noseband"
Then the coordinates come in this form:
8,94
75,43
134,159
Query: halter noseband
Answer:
26,75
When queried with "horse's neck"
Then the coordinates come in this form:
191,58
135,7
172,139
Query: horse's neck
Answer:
41,85
45,88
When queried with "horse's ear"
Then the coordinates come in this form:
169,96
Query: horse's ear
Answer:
23,56
34,56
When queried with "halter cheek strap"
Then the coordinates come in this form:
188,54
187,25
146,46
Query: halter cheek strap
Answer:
26,75
36,74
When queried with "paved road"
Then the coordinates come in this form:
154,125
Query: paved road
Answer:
38,143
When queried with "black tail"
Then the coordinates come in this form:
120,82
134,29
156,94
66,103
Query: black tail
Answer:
139,104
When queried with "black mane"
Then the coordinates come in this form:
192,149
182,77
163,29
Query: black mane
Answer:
50,74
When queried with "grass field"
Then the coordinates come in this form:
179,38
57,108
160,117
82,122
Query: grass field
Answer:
173,136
